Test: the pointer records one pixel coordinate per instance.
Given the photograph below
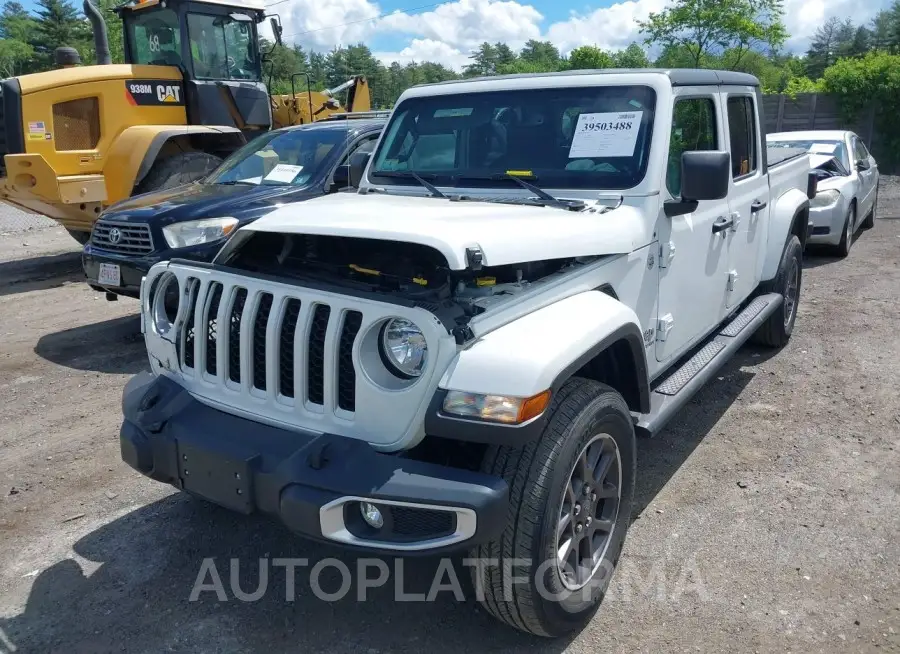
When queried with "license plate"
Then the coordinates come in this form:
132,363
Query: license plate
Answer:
110,275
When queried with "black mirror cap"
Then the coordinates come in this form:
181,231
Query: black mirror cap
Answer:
705,175
358,163
276,29
812,184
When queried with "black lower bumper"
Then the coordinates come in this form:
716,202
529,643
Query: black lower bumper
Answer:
250,467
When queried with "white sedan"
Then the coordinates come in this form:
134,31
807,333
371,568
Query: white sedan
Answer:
847,184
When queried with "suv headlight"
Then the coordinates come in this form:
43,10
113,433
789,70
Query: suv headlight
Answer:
196,232
825,198
403,348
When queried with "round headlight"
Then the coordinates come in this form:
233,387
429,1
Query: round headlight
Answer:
404,348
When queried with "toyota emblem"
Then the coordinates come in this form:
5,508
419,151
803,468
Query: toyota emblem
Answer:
115,235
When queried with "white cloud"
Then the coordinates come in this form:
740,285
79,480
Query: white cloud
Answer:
610,28
467,23
426,50
449,33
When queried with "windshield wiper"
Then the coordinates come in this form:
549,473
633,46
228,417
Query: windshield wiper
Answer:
538,191
407,174
232,182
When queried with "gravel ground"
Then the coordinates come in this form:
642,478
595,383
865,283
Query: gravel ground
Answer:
767,515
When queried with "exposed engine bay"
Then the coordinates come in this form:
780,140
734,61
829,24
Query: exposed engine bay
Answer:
409,271
830,168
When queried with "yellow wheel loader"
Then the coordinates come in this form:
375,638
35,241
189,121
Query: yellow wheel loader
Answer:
77,139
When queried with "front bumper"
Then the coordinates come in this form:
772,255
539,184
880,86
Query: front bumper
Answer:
311,482
827,223
134,267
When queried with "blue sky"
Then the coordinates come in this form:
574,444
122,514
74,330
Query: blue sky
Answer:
417,30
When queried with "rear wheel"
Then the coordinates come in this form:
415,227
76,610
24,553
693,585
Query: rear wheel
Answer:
178,169
570,504
777,329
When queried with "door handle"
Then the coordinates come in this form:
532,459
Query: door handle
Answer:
722,223
757,206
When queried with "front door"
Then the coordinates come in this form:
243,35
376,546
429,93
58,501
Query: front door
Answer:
693,253
747,198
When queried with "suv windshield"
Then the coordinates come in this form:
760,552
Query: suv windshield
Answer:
154,37
222,48
575,138
286,157
834,148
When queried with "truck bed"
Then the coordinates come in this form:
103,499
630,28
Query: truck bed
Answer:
778,156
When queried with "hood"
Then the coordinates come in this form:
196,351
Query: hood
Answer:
205,201
505,233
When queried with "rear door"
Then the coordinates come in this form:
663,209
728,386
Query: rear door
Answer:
748,196
693,257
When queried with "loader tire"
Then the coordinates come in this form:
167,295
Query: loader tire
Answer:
177,170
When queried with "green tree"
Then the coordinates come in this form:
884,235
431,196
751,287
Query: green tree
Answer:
16,27
484,61
588,57
58,25
631,57
705,27
540,54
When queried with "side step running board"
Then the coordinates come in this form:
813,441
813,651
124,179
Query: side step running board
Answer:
676,389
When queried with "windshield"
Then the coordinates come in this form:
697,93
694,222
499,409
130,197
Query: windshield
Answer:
292,157
832,147
222,48
154,37
575,138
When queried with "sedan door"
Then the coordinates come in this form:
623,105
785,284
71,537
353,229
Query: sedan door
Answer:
868,177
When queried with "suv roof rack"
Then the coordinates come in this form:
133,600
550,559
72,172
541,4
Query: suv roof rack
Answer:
357,114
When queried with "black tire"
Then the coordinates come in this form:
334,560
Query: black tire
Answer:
178,169
539,476
81,237
842,249
869,222
777,329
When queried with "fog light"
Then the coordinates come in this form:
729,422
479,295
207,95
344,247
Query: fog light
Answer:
372,515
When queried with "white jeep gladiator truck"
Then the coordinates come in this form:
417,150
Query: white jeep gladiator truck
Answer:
458,355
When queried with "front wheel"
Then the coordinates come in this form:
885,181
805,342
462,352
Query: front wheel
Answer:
842,249
869,222
570,505
777,329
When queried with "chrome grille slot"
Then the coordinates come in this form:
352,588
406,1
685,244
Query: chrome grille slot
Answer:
234,335
286,337
316,361
211,321
122,237
260,325
346,372
192,288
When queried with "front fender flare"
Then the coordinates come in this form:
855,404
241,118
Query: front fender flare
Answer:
543,349
136,148
781,220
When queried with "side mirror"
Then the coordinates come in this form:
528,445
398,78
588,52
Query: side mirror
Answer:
358,163
276,29
862,164
341,177
705,175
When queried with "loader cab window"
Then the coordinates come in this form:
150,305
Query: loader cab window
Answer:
154,37
223,48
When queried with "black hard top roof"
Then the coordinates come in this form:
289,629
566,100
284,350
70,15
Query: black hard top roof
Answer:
678,76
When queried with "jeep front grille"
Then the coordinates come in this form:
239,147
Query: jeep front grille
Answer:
291,355
122,237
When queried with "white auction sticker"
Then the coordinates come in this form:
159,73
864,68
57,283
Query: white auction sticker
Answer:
823,148
283,173
606,135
